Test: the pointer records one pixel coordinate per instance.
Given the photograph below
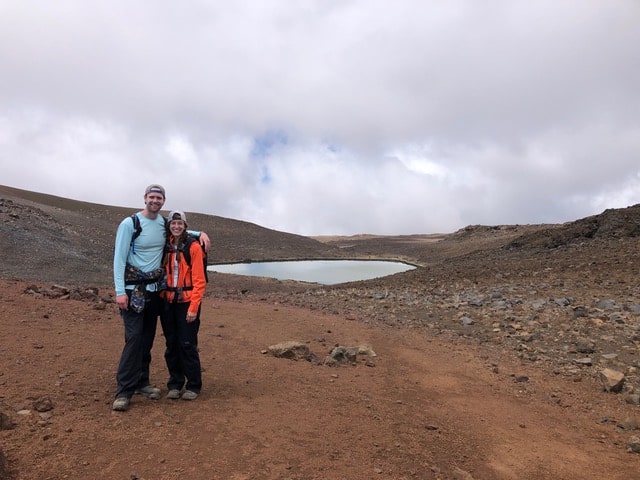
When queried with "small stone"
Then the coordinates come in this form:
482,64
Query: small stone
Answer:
633,445
629,423
5,422
586,361
585,346
466,321
291,350
633,399
612,380
43,404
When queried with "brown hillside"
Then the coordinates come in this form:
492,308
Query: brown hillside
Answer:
77,238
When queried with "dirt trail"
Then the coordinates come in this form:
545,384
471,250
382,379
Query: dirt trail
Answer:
425,407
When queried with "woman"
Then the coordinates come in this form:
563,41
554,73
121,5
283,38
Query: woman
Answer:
180,316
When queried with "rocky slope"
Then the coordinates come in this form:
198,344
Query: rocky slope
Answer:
555,294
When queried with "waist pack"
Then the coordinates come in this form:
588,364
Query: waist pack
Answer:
135,276
138,278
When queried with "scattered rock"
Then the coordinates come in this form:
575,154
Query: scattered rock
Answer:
607,304
633,399
59,292
586,361
579,311
366,349
342,355
629,423
466,321
585,346
5,422
291,350
612,380
634,444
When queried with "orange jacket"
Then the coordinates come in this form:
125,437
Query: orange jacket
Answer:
189,278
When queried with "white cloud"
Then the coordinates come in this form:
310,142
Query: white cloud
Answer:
327,116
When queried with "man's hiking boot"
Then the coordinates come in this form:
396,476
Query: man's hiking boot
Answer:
173,394
120,404
150,392
189,395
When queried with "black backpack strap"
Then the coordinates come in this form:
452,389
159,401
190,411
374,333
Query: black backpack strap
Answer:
137,229
186,249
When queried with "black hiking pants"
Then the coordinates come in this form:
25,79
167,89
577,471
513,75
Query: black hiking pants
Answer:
181,354
139,333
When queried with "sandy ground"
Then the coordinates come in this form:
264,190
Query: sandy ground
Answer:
426,406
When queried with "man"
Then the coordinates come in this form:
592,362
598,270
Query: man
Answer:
137,273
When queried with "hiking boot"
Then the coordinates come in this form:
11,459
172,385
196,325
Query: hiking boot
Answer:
150,392
189,395
173,394
120,404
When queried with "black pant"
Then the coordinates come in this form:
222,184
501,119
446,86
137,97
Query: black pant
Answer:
181,355
139,333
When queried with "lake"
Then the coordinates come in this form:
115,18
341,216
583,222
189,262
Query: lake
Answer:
326,272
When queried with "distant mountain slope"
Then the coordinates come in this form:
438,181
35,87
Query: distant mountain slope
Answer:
610,224
49,238
45,237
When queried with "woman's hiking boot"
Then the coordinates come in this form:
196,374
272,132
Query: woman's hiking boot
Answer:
189,395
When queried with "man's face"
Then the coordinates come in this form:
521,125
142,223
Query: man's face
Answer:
154,201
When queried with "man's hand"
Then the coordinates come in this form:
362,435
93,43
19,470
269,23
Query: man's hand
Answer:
204,241
122,301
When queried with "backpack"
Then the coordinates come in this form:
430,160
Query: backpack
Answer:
137,230
186,251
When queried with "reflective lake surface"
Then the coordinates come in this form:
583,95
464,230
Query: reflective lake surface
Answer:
327,272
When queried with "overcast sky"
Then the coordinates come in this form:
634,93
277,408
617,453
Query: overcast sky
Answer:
327,116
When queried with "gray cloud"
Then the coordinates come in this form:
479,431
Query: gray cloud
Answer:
326,116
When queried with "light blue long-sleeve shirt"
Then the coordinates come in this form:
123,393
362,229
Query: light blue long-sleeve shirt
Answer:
148,251
147,254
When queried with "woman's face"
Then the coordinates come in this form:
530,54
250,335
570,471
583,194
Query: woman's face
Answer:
177,227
